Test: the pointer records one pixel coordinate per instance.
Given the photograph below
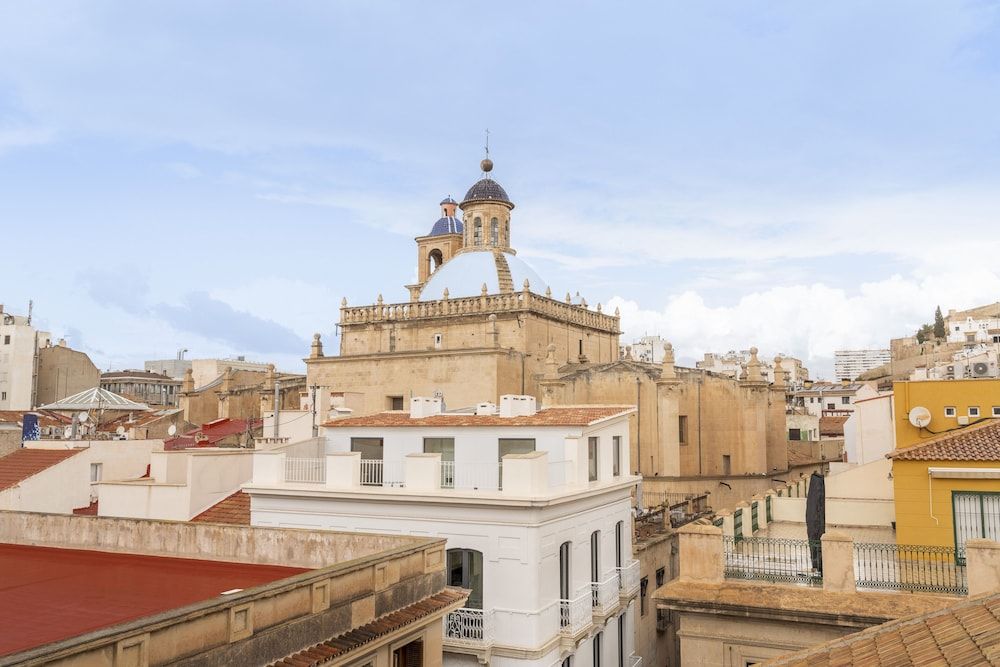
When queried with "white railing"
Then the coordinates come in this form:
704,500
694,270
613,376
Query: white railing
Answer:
475,476
560,473
628,578
575,614
634,660
376,472
447,474
305,470
604,595
469,627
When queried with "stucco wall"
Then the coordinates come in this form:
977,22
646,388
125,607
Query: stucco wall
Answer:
935,395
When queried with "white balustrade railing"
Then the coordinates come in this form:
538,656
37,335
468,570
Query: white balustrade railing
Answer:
604,595
376,472
575,614
305,470
447,474
474,476
469,627
628,577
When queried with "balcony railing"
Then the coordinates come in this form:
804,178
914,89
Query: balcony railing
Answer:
773,559
909,567
471,476
634,660
604,595
628,578
305,470
376,472
575,614
469,627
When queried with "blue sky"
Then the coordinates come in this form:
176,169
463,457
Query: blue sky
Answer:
216,176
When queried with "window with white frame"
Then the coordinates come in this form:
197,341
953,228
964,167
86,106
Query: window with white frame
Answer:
95,472
949,411
996,410
973,410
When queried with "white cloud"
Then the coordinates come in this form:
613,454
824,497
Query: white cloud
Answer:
808,321
21,137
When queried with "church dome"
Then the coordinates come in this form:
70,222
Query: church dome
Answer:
465,274
486,190
448,224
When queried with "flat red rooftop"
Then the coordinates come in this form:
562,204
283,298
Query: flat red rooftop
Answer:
49,594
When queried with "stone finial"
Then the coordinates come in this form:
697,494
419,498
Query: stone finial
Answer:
343,302
379,300
484,290
445,295
583,302
317,347
779,373
527,285
617,312
551,365
598,307
753,367
628,351
548,292
569,299
188,383
669,371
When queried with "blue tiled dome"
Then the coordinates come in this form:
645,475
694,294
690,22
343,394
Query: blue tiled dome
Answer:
446,225
486,189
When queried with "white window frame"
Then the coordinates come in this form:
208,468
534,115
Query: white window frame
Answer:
950,411
973,410
96,472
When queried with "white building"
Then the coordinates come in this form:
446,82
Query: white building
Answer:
19,345
869,432
849,364
648,349
203,370
535,505
970,329
831,398
978,361
734,364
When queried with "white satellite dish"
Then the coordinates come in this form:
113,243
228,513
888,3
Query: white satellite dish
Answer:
172,430
120,430
920,416
83,417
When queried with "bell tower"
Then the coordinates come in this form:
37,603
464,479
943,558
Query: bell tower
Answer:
433,250
486,214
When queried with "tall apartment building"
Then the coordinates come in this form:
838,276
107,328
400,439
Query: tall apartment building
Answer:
849,364
535,505
19,345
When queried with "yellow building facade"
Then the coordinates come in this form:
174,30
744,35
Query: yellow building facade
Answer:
952,404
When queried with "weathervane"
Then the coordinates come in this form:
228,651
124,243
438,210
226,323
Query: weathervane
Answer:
487,164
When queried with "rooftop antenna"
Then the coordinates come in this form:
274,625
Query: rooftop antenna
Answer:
31,303
487,164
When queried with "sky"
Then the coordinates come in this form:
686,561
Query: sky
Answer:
215,177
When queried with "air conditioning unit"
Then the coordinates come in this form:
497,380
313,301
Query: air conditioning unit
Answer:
980,369
963,420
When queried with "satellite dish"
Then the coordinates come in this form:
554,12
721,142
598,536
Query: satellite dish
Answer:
920,416
83,417
120,430
172,430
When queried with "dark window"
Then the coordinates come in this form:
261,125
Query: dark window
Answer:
643,604
395,402
794,434
661,576
619,536
845,400
831,406
6,340
411,655
592,444
477,232
370,448
597,649
727,465
682,429
621,641
565,554
595,556
616,454
465,570
494,232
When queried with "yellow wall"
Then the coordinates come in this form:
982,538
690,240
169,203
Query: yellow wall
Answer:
916,500
935,395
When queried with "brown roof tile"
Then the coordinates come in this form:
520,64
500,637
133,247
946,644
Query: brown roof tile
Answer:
967,633
391,622
21,464
555,416
979,442
234,509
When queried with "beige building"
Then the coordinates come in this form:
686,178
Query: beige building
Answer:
238,394
153,389
19,346
62,372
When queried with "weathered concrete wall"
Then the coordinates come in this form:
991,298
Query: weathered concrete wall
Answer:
63,372
653,553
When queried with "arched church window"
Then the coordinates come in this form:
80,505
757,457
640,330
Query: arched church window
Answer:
435,259
495,232
477,232
506,231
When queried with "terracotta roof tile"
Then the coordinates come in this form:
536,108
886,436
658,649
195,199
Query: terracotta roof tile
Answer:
337,646
980,442
21,464
234,509
967,633
555,416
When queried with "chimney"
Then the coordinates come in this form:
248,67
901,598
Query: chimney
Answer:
512,405
486,409
424,406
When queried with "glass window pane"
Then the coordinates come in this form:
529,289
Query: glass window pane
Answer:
370,448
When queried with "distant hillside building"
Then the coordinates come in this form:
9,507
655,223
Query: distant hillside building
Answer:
973,326
849,364
734,364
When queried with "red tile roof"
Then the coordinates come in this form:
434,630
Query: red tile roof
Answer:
832,426
211,433
980,442
555,416
335,648
22,463
45,417
233,509
89,510
967,633
49,594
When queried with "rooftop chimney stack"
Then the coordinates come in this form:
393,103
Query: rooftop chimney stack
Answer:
512,405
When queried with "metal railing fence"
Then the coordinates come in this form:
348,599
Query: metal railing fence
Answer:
909,567
773,559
